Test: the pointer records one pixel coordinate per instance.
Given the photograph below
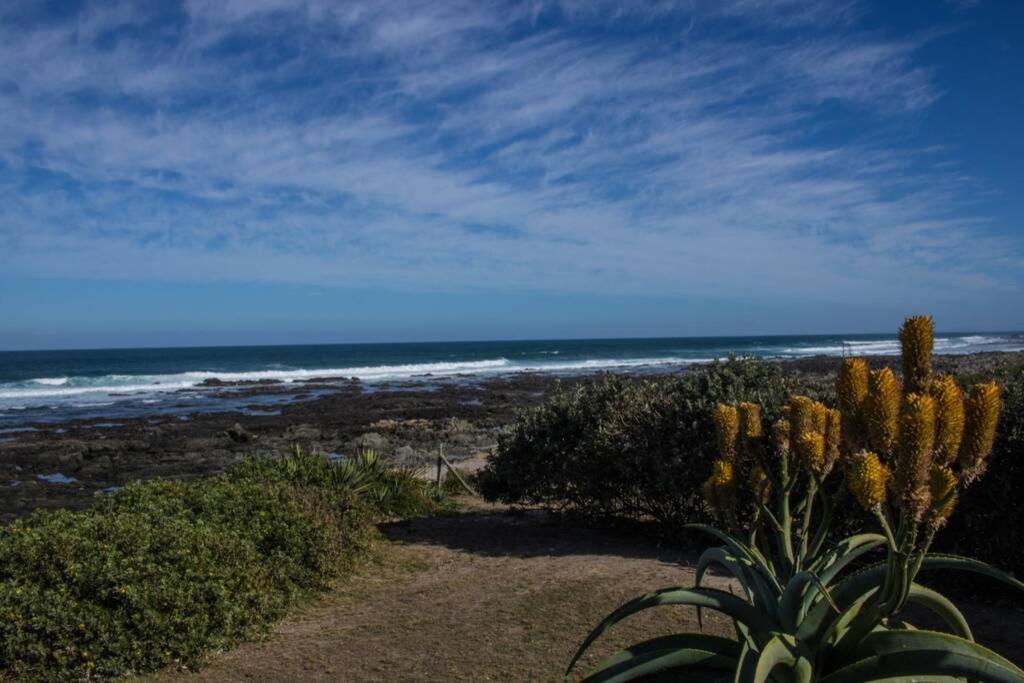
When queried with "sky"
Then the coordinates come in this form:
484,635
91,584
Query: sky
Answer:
288,171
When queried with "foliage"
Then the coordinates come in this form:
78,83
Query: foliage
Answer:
991,532
166,571
804,615
626,447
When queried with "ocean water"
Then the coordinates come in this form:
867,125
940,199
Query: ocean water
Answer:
53,386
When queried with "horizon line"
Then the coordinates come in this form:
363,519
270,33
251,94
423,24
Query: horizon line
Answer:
487,341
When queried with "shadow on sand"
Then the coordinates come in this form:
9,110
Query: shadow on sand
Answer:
504,532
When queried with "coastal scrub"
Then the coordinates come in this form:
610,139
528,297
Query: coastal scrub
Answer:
164,572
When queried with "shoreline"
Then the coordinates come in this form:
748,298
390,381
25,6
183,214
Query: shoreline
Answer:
64,464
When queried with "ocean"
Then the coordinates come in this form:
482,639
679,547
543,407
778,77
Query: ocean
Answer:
54,386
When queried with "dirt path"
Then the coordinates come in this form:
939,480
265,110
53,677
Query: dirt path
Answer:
486,595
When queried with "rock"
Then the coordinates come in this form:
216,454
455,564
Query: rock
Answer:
303,432
97,468
71,461
240,434
370,440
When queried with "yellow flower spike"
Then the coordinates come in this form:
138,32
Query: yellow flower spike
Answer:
720,488
883,410
949,418
750,420
942,487
760,483
833,437
727,426
801,418
820,413
852,391
811,451
981,409
780,435
867,478
914,453
916,339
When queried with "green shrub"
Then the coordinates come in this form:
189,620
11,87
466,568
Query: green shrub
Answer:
626,447
164,572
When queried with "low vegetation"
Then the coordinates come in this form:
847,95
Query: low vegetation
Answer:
907,451
626,447
165,572
641,449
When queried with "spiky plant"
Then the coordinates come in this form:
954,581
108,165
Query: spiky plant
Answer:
803,614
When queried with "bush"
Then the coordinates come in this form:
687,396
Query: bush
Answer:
989,517
166,571
624,447
641,449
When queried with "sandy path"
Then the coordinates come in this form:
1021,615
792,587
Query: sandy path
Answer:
486,595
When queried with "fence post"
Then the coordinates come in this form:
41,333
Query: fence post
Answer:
439,456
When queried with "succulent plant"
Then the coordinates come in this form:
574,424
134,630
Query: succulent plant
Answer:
805,614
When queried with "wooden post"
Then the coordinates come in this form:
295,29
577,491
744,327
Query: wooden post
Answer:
439,456
455,472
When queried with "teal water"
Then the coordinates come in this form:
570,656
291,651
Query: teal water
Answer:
55,385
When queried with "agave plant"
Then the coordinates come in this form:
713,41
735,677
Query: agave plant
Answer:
813,608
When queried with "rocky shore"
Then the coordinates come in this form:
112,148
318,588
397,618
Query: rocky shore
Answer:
67,464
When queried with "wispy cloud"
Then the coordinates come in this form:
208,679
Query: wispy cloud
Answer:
568,146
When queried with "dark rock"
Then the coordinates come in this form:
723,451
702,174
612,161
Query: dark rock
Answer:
240,434
97,468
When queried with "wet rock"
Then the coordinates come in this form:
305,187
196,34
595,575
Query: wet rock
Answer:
302,434
240,434
97,468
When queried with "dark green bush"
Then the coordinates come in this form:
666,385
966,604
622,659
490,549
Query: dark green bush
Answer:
625,447
166,571
641,449
989,517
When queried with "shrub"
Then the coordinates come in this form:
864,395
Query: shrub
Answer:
166,571
988,526
626,447
804,614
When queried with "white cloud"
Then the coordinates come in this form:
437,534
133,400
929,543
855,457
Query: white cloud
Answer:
451,144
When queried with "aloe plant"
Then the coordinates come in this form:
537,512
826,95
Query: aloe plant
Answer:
815,609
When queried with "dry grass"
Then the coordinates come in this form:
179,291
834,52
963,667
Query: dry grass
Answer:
486,595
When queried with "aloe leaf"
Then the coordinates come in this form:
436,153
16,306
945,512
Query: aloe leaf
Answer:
740,548
922,665
845,552
822,616
776,652
667,652
967,564
749,578
942,606
884,642
844,556
790,602
730,605
889,655
723,559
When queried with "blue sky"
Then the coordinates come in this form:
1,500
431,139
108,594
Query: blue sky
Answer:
266,171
